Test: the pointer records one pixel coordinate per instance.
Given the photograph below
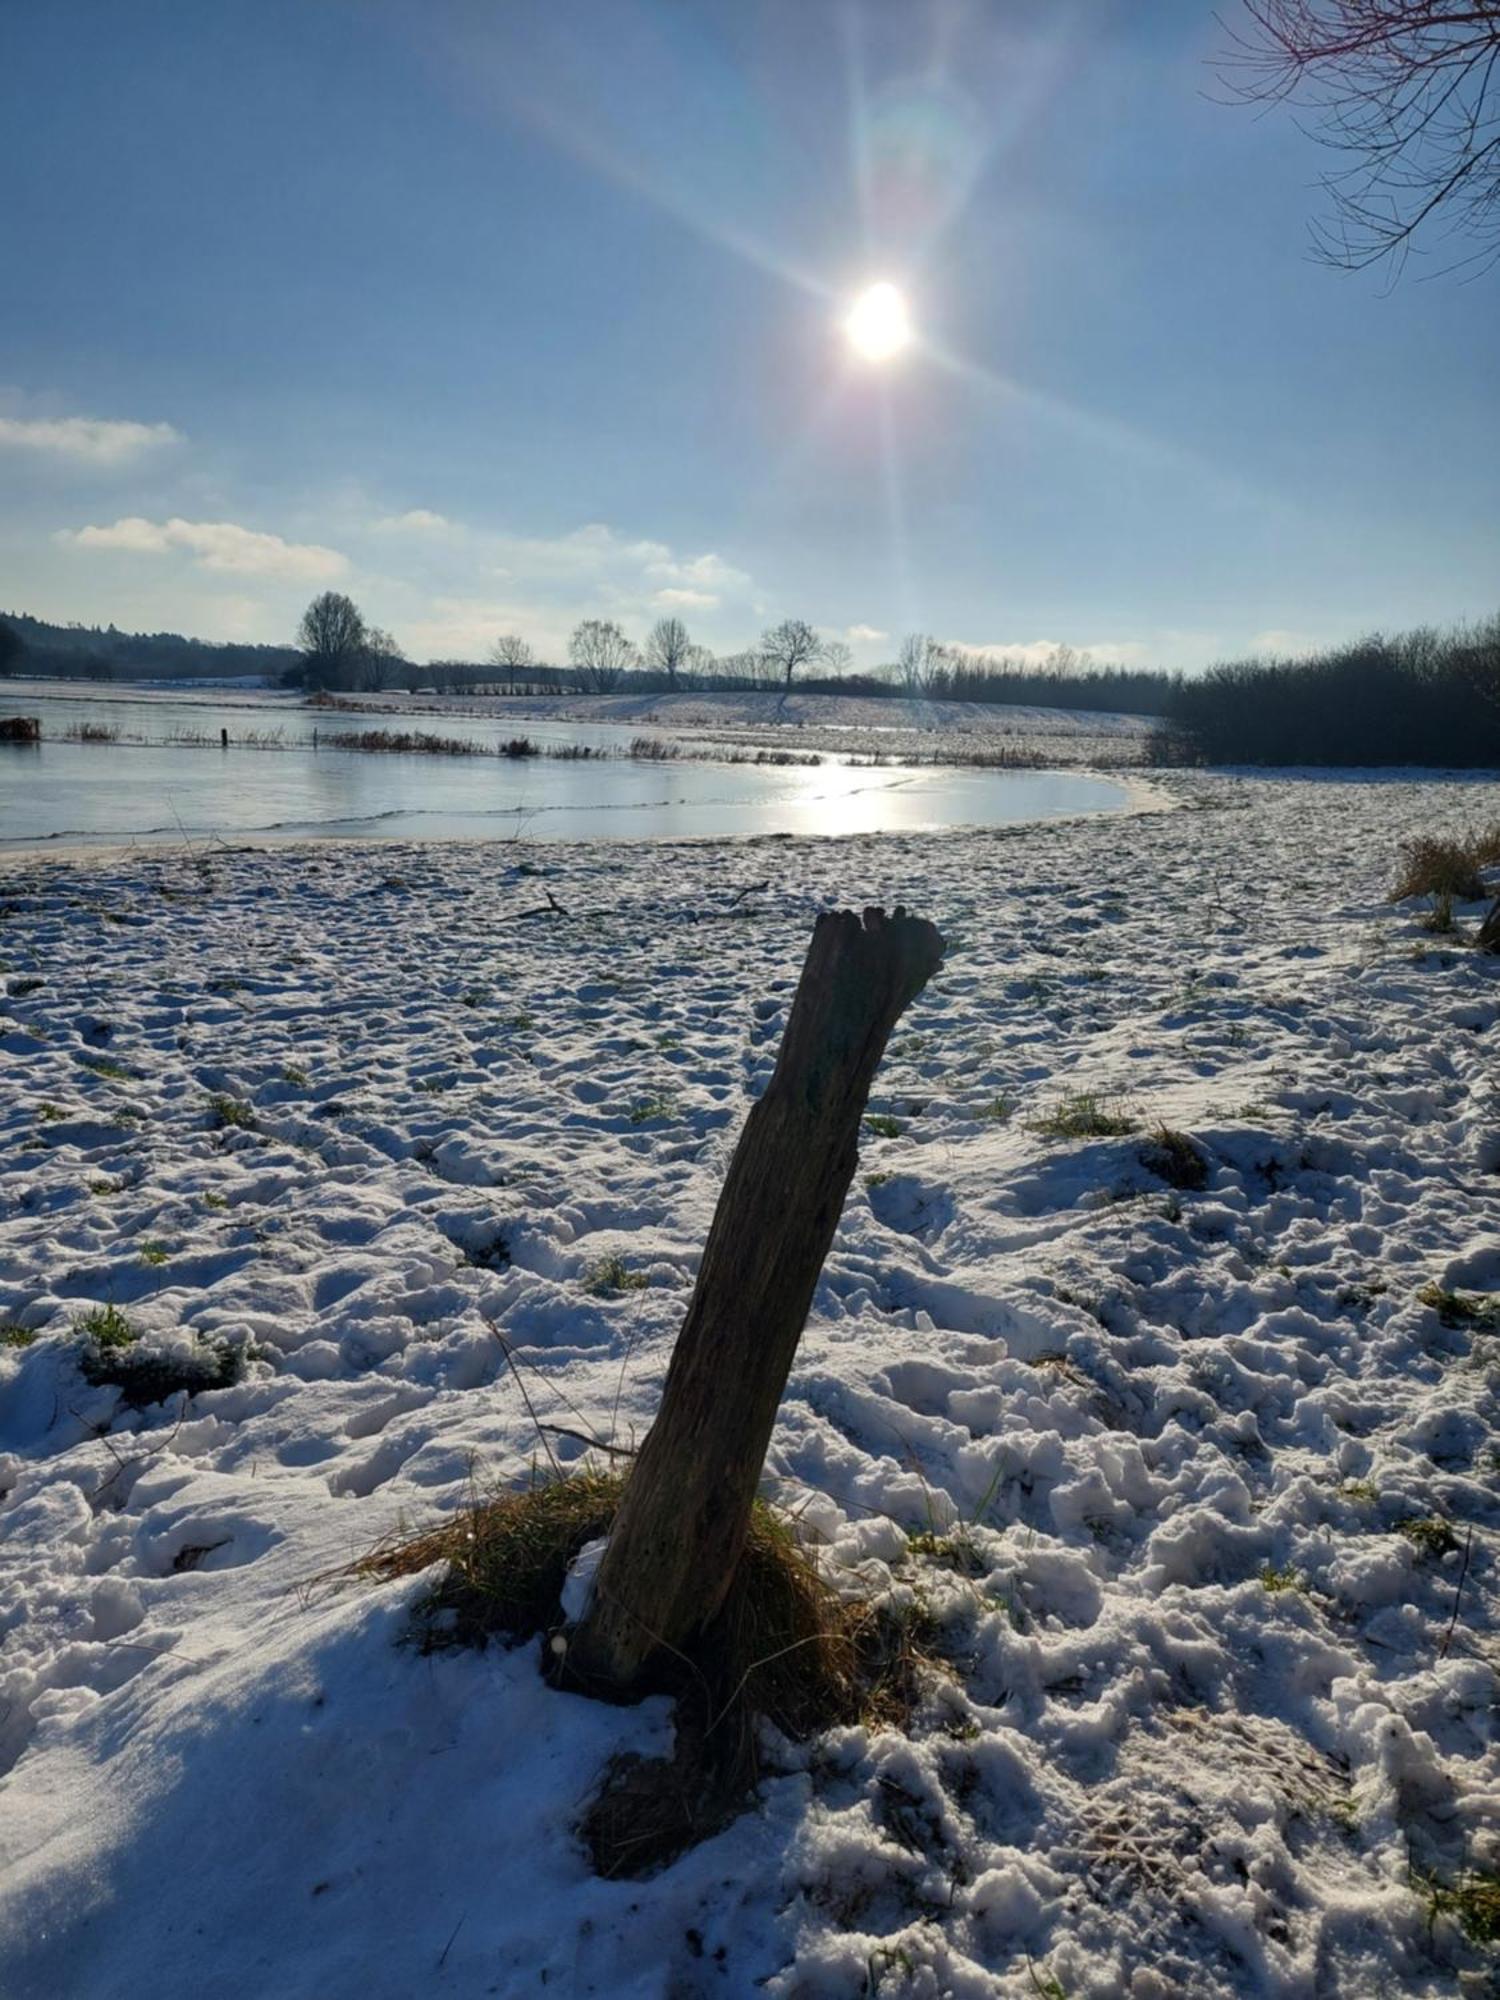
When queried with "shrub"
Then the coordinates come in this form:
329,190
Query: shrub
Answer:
1433,867
1421,697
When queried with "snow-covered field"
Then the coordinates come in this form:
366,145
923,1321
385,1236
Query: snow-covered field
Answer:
815,723
1206,1718
826,723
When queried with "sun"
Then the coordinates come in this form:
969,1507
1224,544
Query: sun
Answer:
879,326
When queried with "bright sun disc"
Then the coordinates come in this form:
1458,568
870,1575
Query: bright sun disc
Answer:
878,326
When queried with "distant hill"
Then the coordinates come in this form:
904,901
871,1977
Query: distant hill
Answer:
103,652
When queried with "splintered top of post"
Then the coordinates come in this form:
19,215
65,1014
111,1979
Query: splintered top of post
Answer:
861,973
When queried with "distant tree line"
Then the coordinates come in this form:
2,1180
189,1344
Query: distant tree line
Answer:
1426,697
103,652
1423,698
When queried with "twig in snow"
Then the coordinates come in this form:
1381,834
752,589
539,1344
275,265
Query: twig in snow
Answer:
449,1945
594,1444
525,1394
1458,1595
750,889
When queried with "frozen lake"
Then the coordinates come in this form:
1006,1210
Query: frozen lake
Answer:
157,788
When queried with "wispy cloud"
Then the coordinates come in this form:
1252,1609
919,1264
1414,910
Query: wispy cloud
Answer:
1284,642
864,635
1038,652
215,545
415,521
469,582
95,441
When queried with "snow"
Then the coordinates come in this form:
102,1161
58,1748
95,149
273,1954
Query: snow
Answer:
834,724
1195,1724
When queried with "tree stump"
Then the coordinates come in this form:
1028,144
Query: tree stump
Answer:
682,1522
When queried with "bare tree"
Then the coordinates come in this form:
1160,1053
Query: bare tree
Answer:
914,662
600,653
669,648
1407,90
384,664
787,646
838,657
745,670
332,641
512,652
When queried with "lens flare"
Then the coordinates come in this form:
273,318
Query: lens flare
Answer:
879,326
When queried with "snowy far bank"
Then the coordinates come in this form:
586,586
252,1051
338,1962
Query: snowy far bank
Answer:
848,724
1152,1457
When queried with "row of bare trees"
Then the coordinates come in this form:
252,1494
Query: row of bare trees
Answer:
340,650
600,654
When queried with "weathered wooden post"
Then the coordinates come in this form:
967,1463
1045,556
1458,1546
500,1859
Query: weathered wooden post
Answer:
682,1522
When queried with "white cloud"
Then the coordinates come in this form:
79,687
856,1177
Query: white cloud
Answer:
864,635
1284,642
686,600
85,440
215,545
1039,652
478,582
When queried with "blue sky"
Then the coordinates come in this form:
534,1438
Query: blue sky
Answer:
499,314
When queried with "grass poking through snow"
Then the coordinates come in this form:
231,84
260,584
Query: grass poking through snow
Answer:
784,1647
1082,1115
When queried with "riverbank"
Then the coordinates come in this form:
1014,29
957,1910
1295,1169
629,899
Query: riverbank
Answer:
1183,1449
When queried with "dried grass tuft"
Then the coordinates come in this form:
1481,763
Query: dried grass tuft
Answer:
784,1649
1433,867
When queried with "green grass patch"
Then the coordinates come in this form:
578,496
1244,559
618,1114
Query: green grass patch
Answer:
1274,1580
661,1105
107,1327
14,1335
613,1274
225,1113
1431,1536
883,1126
1000,1109
1082,1115
115,1354
1176,1159
1478,1310
154,1253
1473,1901
105,1066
